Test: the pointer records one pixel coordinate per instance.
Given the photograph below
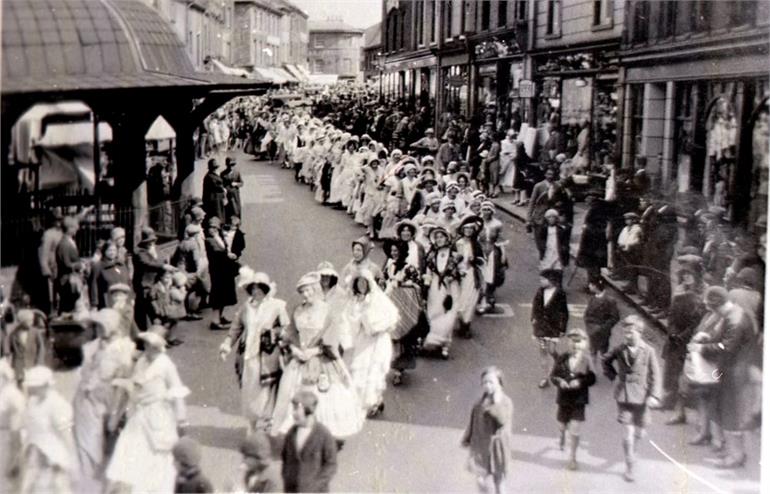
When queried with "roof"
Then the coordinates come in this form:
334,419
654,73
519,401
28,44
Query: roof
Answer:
332,26
291,7
65,45
373,35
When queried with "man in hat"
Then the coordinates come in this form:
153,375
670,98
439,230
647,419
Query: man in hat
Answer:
635,365
448,151
733,345
47,259
232,181
546,194
49,462
310,451
261,471
146,268
427,144
69,266
214,191
189,477
552,242
106,358
630,252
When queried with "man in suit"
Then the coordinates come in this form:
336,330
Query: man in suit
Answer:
309,451
552,242
635,365
147,265
546,194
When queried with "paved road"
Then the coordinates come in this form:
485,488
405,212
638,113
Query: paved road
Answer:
414,446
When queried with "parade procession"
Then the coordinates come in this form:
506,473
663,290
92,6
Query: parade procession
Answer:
383,246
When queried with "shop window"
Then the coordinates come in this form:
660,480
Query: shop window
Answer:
553,18
432,20
721,132
637,120
604,119
486,11
502,13
760,144
603,13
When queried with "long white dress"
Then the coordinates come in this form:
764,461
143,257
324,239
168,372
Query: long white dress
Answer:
442,315
370,320
325,375
257,397
12,405
470,285
142,457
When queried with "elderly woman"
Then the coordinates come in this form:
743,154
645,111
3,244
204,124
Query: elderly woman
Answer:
315,365
143,461
255,333
11,419
370,317
489,433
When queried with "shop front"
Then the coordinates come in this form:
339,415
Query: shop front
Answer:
579,90
499,70
412,81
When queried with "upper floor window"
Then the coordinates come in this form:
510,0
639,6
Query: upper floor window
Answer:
521,10
667,18
502,13
744,12
702,17
486,10
432,20
553,18
447,19
603,12
419,16
641,24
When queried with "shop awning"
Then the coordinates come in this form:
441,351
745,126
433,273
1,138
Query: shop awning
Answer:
285,75
295,72
323,79
233,71
272,75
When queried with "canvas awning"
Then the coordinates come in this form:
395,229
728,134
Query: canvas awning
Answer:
295,72
233,71
323,79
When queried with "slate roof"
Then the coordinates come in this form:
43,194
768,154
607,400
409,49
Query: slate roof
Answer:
332,26
62,45
373,36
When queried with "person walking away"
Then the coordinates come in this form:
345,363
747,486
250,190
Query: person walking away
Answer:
309,452
635,365
489,434
189,477
254,334
732,348
572,374
549,319
600,316
592,249
12,410
49,463
105,359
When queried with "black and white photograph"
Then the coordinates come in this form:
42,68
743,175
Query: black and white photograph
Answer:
383,246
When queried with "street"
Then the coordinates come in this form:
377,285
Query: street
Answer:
415,444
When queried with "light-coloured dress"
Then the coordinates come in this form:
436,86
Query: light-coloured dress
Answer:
12,406
443,291
49,457
251,321
325,375
370,319
142,457
470,282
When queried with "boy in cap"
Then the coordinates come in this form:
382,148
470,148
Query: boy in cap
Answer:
189,478
639,386
573,374
261,471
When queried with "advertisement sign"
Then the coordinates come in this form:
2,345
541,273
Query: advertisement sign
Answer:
526,88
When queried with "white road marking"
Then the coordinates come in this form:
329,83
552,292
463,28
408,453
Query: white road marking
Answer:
687,470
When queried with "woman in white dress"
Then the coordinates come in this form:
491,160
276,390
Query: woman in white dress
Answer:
370,316
471,276
341,173
442,277
255,332
142,461
12,405
316,365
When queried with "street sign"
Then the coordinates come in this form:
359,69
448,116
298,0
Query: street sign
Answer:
526,89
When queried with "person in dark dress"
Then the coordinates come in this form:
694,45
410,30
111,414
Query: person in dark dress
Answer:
309,451
592,250
572,374
69,267
147,265
549,318
107,272
214,192
222,270
233,182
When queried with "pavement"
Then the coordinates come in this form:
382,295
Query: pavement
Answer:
415,445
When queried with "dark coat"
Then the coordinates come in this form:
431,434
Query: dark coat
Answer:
488,435
577,396
540,202
214,194
639,377
238,244
592,250
562,241
549,320
232,181
268,480
312,468
104,275
732,347
192,481
222,271
600,317
146,269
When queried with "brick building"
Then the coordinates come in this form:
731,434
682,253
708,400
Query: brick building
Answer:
335,48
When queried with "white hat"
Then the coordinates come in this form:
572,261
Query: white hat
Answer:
552,213
448,203
311,278
38,376
247,276
153,338
109,320
326,268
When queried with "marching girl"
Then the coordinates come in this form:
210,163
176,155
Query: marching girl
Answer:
441,277
361,248
402,285
370,317
470,266
315,365
572,375
374,196
393,204
254,333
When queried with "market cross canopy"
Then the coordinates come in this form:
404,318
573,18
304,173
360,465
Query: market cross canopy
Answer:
60,45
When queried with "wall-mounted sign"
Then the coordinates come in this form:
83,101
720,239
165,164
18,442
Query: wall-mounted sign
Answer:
457,80
490,69
526,89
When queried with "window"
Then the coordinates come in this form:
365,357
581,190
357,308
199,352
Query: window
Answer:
667,18
319,43
702,15
502,13
553,22
432,19
603,12
486,6
447,19
641,22
521,10
419,16
742,13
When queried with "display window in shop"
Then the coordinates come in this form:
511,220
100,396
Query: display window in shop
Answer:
497,94
456,89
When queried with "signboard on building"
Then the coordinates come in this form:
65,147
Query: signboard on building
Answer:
526,89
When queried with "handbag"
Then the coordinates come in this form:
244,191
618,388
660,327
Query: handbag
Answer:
270,362
701,371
